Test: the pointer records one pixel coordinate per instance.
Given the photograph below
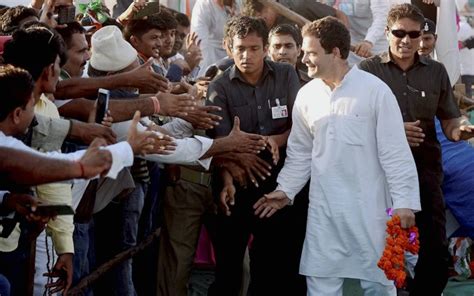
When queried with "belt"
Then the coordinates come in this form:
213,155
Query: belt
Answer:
196,177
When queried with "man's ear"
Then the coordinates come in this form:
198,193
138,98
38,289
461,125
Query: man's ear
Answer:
133,41
16,115
387,31
336,52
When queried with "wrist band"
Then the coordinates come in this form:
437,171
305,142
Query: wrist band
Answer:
156,105
82,169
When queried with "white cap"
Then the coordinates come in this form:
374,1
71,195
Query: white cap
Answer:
110,52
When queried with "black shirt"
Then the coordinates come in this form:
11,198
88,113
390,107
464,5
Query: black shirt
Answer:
252,104
423,91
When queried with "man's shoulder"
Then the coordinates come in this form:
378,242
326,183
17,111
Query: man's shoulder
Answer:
280,67
370,63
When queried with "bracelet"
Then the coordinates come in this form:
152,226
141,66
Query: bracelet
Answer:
82,169
156,105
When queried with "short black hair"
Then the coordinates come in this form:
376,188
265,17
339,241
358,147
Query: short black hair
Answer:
182,19
34,48
244,25
331,34
71,29
405,10
159,21
287,29
17,87
11,18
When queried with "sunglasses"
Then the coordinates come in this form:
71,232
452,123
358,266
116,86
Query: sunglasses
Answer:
403,33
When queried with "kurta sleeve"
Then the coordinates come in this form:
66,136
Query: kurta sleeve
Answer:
394,153
379,10
297,168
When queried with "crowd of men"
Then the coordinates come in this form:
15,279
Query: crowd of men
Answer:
287,143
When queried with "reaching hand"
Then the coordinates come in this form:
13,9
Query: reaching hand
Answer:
202,84
163,144
62,270
132,9
146,79
25,205
96,161
244,142
227,198
175,105
464,132
407,217
414,133
193,54
141,142
202,118
272,146
254,165
238,174
363,49
270,203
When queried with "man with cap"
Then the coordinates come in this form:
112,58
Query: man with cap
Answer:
112,54
428,38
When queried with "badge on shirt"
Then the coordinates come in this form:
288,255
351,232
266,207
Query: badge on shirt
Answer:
279,111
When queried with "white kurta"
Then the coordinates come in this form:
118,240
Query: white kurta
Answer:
352,143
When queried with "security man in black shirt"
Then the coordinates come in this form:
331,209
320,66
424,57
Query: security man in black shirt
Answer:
261,93
423,91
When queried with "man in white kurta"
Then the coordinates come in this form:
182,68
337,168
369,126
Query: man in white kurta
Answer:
348,136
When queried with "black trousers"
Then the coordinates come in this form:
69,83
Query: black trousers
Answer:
275,251
431,271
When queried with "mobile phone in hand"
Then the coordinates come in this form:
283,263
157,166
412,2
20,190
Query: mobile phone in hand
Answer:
66,14
149,9
102,104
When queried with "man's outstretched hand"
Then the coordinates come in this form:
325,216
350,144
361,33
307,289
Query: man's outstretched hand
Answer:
244,142
270,203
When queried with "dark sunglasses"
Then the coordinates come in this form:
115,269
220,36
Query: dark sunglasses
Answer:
403,33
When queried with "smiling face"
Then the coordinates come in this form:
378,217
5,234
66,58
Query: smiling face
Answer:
78,55
249,53
283,48
319,63
167,41
149,44
404,49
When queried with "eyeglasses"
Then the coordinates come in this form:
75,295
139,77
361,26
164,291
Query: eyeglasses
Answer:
403,33
35,28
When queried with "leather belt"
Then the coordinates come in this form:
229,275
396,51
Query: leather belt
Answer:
194,176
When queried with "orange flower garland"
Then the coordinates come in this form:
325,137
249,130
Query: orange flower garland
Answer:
398,241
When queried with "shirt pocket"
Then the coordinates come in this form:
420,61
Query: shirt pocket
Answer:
352,129
244,113
425,105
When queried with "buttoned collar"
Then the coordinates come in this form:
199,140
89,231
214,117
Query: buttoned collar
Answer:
386,57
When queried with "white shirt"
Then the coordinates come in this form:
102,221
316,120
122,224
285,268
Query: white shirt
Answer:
447,50
188,150
352,143
208,21
122,154
367,19
466,54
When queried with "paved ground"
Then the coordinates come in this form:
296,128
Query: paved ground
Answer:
201,279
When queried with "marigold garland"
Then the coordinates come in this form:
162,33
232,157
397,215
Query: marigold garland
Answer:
398,241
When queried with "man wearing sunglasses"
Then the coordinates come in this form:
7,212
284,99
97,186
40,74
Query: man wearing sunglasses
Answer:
423,91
